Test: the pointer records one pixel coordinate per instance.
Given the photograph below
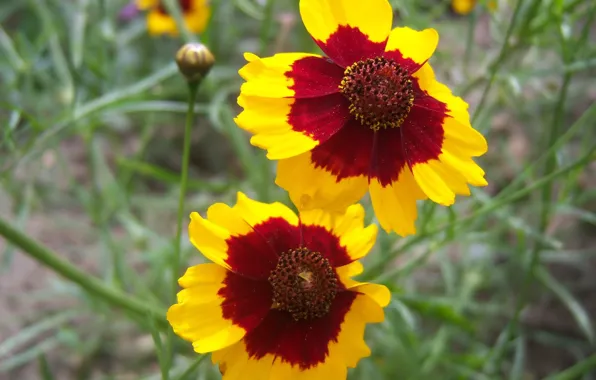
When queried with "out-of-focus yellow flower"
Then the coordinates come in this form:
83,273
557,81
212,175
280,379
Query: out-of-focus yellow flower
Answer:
278,301
195,12
464,7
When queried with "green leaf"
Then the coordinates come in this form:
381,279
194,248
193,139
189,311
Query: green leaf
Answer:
438,309
578,312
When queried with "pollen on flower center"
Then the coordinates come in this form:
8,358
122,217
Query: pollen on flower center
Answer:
304,284
380,92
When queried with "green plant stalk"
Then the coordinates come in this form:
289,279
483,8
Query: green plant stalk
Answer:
498,62
577,370
89,283
192,89
186,375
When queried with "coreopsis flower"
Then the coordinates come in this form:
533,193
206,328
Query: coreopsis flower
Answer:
195,13
369,116
278,301
464,7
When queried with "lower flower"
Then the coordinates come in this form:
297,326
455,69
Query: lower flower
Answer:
278,301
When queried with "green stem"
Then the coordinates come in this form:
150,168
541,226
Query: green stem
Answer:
193,89
91,284
500,59
186,375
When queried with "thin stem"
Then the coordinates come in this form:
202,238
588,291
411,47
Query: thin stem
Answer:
193,89
186,375
91,284
500,59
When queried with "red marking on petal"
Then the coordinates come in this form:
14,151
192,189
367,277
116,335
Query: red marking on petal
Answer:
423,131
406,63
246,302
255,254
347,153
388,156
185,6
318,239
315,76
348,45
319,118
303,343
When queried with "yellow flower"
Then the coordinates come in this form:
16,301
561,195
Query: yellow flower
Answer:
464,7
278,301
368,117
195,12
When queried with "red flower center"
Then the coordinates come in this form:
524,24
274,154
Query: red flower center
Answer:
304,284
380,92
184,6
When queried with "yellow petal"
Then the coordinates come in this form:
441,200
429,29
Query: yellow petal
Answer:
267,118
264,115
228,218
209,238
146,4
432,184
203,275
198,317
284,145
254,212
196,20
463,139
378,293
323,17
265,77
472,173
350,345
395,204
463,7
312,188
159,23
349,270
235,364
418,46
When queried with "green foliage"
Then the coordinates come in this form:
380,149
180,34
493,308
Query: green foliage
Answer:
92,122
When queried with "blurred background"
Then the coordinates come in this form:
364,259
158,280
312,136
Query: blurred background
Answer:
92,109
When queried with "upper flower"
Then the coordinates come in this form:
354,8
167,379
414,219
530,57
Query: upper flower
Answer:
278,301
195,13
369,116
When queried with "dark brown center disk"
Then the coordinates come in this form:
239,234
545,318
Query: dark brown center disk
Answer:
304,284
184,6
380,92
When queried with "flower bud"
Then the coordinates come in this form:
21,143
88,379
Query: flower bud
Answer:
194,61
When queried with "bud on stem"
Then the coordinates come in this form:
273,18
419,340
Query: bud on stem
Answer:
194,61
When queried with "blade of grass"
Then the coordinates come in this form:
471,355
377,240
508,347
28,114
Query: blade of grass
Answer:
91,284
581,316
574,372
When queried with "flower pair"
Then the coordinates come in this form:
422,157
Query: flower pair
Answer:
278,302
